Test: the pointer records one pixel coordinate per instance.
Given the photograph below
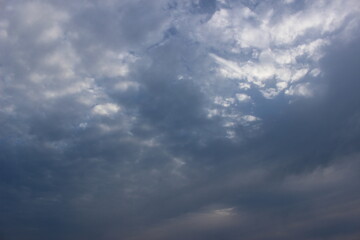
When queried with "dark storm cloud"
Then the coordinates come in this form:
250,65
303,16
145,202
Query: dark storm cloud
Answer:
109,127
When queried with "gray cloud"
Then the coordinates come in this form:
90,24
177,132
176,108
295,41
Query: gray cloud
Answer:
179,119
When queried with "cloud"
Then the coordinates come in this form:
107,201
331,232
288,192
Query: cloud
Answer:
272,45
242,97
106,109
179,119
194,225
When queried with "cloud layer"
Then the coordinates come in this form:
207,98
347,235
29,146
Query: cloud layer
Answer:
168,119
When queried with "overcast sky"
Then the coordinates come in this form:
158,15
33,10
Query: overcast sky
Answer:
179,119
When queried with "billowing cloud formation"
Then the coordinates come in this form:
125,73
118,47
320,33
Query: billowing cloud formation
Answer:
166,119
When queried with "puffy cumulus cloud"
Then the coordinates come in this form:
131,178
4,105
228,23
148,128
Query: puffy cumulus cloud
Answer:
197,119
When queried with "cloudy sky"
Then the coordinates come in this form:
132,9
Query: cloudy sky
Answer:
179,119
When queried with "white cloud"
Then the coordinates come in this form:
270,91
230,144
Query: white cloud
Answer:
126,85
299,74
225,102
243,97
250,118
106,109
288,1
285,46
315,72
244,86
213,113
75,87
269,93
113,64
302,89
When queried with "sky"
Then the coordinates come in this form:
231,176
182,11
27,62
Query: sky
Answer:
179,119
